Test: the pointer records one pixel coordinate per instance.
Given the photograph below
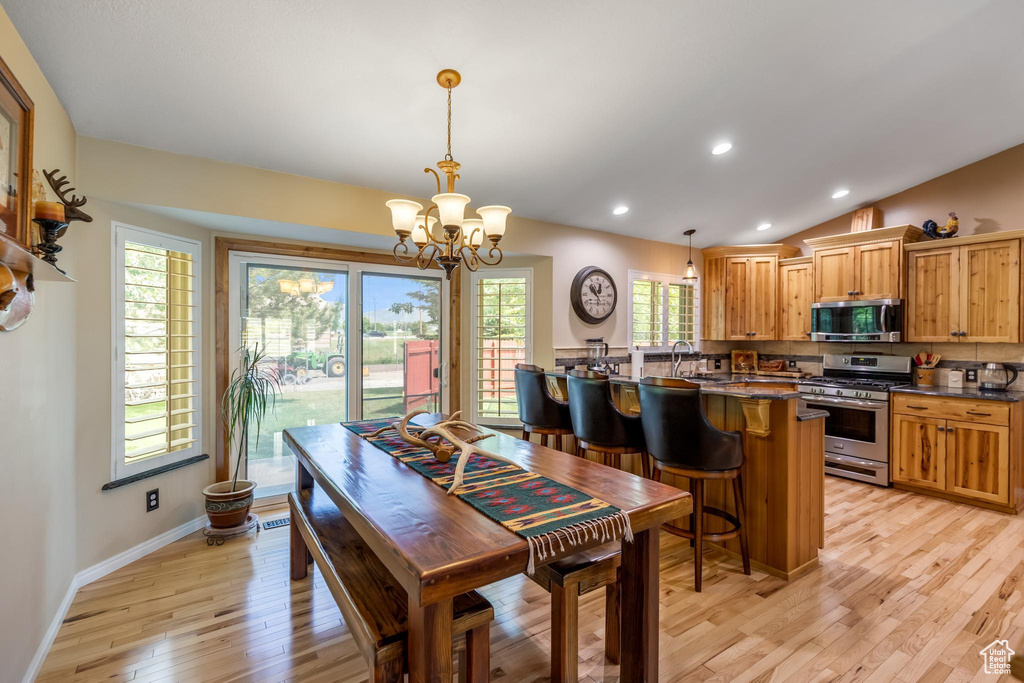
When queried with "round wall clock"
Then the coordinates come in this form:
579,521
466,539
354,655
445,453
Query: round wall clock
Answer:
593,295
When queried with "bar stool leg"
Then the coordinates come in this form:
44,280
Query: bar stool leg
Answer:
526,434
564,636
611,623
698,533
558,442
737,492
645,466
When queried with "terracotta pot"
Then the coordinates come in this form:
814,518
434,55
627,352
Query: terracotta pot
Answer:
227,508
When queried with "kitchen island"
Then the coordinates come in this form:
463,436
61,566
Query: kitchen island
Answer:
783,473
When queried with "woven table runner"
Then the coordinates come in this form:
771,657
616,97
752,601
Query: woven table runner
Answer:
547,514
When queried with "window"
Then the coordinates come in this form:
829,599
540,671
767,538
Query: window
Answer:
662,310
157,406
502,337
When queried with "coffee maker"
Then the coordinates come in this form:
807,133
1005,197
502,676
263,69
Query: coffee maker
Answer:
597,352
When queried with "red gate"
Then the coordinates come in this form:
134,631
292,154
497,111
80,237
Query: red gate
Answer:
420,383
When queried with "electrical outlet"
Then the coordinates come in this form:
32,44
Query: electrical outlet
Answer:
792,363
972,375
152,500
718,364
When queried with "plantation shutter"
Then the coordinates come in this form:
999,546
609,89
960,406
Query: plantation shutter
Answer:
501,340
682,313
159,352
647,313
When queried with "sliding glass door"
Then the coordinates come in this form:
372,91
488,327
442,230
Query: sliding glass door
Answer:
345,340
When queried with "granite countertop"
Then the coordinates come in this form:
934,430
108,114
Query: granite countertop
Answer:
957,392
719,384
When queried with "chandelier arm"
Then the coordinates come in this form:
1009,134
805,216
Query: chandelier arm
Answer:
490,255
437,178
404,257
470,258
426,222
422,259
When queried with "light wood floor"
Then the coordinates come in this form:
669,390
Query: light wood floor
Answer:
909,588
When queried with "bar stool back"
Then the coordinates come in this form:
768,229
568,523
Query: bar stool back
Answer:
539,411
684,443
598,424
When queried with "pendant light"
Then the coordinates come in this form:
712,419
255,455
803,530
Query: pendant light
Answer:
690,277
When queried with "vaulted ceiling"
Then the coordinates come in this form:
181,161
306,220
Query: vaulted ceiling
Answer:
567,108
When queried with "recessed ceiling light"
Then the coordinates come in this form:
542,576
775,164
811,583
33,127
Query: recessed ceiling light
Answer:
764,226
619,210
721,148
840,193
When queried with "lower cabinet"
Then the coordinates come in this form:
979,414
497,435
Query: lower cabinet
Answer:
934,449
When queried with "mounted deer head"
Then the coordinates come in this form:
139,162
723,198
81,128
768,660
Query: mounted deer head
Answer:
72,207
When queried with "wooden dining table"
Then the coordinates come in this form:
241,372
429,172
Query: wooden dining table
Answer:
437,546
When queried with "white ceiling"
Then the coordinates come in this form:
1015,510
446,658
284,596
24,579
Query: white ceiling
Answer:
566,108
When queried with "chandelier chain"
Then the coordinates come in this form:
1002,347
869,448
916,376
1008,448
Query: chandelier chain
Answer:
448,156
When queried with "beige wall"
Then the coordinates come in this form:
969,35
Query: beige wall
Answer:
124,173
37,384
99,536
987,196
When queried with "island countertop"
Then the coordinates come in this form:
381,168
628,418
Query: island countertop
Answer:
725,385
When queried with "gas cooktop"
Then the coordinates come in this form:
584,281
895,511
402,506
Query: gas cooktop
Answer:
859,377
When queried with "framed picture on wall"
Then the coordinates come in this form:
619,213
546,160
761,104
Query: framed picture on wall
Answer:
16,112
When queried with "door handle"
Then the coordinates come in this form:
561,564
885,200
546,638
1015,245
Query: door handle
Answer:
918,407
971,412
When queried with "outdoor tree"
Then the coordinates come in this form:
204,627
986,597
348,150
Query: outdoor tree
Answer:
428,296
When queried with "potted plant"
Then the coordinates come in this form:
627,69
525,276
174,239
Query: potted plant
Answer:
251,391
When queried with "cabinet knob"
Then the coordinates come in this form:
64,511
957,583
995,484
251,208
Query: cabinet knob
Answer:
850,293
963,334
942,429
856,292
954,333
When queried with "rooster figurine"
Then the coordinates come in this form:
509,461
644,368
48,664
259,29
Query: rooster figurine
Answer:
932,229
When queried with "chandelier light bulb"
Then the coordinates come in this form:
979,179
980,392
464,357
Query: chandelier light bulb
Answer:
403,214
494,219
451,208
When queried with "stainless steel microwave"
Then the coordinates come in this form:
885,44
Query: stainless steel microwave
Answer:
878,320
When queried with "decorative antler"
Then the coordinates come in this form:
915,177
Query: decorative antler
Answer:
72,210
442,451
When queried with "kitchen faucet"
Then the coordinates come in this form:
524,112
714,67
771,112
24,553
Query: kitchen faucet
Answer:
677,359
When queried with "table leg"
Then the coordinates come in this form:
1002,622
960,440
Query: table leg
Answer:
430,642
300,557
638,655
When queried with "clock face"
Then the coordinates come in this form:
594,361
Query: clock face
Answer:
594,295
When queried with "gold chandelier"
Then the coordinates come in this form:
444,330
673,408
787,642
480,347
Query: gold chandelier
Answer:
460,238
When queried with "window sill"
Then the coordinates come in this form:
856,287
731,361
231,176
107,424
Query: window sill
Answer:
118,483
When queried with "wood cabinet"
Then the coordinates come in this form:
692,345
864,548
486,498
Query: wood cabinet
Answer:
963,449
795,296
740,291
967,292
861,265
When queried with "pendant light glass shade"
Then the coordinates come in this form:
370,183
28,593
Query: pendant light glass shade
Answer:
494,219
288,286
306,284
473,231
419,233
451,208
403,214
690,276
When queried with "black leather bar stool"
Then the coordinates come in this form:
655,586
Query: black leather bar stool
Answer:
683,442
599,425
539,411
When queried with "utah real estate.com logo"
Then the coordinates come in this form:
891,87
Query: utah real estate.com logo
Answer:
997,657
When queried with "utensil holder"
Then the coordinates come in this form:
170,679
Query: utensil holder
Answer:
925,377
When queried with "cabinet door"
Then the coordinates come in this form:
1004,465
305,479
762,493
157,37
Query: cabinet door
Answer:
877,270
833,274
737,284
933,295
990,292
919,451
715,301
761,296
795,284
978,462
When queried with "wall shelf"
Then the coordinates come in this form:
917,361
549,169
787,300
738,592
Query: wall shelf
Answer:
17,257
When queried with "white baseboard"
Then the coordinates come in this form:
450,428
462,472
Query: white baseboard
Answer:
98,571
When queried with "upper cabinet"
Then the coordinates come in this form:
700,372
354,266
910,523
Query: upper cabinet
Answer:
964,289
740,297
860,265
795,295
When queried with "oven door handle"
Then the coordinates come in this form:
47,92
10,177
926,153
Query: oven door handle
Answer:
851,403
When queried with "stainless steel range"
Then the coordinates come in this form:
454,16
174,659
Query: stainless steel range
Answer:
855,392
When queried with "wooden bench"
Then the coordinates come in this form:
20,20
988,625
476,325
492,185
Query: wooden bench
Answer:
374,605
567,579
